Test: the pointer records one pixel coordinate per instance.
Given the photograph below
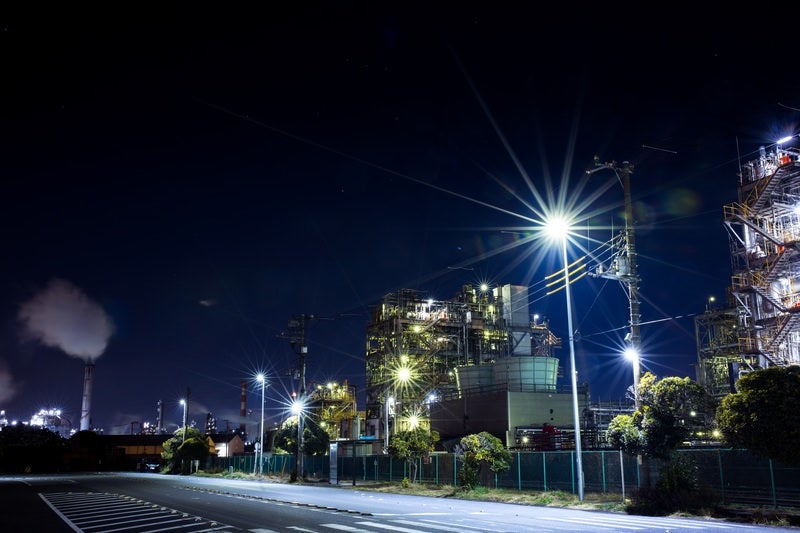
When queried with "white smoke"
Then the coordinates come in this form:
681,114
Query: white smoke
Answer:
7,383
62,316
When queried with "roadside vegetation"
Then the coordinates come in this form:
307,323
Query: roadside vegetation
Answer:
608,502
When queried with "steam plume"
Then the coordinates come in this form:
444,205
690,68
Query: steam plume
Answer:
62,316
7,387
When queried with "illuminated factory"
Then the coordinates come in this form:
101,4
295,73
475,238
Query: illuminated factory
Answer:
759,324
474,363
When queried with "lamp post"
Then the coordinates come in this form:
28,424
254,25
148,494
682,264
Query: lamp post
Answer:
184,403
389,400
297,408
260,378
559,227
403,378
633,356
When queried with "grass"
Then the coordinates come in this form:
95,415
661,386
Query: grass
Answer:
604,502
608,502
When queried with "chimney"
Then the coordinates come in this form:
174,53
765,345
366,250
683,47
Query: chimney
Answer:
86,419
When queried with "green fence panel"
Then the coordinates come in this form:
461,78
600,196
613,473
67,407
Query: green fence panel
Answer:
735,476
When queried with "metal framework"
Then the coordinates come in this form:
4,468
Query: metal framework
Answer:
428,339
761,327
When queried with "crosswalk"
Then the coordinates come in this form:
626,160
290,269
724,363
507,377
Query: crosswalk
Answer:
96,512
599,524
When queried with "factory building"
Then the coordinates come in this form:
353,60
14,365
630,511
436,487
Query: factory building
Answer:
477,362
759,324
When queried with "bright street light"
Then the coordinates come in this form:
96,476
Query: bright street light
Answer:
633,356
297,408
184,403
386,403
558,228
403,374
261,379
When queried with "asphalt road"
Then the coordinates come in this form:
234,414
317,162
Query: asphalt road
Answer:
133,503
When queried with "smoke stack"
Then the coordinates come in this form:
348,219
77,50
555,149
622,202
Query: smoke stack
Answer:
86,420
243,412
160,419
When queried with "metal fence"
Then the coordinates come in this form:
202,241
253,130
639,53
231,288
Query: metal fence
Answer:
735,476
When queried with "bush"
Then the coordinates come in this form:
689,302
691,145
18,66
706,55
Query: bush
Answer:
677,490
468,476
477,451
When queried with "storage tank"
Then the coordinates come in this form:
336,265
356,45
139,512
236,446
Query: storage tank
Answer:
535,373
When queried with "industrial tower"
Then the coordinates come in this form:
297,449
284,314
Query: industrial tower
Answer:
423,353
760,327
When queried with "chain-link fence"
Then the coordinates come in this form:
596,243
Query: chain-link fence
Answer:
735,476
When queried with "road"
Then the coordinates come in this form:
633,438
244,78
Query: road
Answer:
133,503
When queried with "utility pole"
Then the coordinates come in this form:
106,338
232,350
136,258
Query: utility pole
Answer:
624,267
297,338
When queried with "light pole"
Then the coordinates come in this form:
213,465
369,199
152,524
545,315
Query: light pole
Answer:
184,403
297,408
559,228
388,400
403,377
633,356
260,378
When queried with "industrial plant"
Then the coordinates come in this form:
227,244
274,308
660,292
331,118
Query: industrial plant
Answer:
473,363
480,361
758,326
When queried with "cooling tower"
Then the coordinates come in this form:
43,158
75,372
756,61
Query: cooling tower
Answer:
86,420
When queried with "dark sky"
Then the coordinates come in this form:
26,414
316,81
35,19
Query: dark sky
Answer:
198,176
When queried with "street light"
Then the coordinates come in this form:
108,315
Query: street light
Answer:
184,403
297,408
633,356
389,400
386,400
559,228
260,378
402,380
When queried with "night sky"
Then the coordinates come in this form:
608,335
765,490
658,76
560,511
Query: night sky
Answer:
178,183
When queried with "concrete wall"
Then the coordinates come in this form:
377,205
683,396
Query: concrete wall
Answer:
502,412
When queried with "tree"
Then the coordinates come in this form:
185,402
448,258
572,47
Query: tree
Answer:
671,409
316,440
411,446
179,452
763,415
624,433
87,451
477,451
30,449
